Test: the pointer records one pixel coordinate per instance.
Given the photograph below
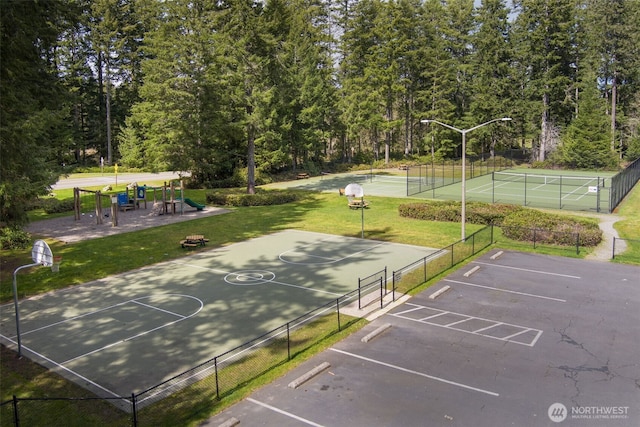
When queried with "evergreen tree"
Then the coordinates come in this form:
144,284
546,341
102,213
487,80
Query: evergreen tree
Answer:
437,92
361,96
33,119
492,84
177,125
613,36
544,30
585,143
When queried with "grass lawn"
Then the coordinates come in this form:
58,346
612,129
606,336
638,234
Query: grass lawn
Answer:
320,212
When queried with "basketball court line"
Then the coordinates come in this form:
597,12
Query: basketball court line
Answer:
207,370
518,329
70,371
527,270
417,373
351,249
179,318
257,280
330,260
504,290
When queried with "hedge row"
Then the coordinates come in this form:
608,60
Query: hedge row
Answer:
517,222
263,198
51,205
14,238
450,211
530,225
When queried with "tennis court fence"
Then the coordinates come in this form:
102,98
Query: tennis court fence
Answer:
551,191
623,182
430,176
201,387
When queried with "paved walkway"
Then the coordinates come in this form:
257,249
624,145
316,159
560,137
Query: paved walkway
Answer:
68,230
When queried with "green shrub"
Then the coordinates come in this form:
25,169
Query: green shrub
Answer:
52,206
530,225
517,223
14,238
261,198
450,211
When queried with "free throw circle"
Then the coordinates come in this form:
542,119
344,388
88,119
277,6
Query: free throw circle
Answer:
249,277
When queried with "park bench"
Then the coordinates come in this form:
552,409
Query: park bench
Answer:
302,175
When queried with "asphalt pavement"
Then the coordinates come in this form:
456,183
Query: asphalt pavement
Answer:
110,179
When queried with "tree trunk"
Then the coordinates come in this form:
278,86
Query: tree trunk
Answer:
544,127
251,160
108,101
614,97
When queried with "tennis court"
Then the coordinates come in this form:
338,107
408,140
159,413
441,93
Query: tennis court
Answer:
575,190
127,333
385,183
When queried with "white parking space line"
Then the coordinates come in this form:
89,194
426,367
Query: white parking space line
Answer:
280,411
432,316
493,324
504,290
411,371
528,270
459,321
409,311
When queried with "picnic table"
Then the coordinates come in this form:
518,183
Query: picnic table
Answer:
358,203
302,175
193,241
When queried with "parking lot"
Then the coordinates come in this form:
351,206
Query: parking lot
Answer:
517,339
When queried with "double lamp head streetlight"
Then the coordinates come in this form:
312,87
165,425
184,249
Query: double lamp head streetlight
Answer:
464,160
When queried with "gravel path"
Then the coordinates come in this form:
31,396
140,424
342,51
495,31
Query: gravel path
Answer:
604,251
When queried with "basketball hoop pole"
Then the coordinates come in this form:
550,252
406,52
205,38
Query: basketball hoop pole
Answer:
362,217
41,255
15,302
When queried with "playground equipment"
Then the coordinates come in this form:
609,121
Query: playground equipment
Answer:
77,205
134,197
173,194
121,201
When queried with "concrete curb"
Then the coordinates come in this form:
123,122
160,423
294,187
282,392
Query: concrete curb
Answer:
306,377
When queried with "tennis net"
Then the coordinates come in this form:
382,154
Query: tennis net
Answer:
573,181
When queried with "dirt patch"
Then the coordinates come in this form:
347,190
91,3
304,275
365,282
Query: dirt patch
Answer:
68,230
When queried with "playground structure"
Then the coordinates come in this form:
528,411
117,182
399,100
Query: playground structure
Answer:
172,201
77,206
173,195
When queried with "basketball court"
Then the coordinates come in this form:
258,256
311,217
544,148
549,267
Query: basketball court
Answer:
129,332
517,339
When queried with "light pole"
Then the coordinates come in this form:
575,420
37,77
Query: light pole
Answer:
464,161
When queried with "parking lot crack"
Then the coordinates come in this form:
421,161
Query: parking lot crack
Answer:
573,372
564,337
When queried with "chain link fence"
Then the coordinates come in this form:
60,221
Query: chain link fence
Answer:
429,176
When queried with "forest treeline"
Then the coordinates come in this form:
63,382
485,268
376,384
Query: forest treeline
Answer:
218,87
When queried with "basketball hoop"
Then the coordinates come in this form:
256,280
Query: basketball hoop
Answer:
356,190
41,255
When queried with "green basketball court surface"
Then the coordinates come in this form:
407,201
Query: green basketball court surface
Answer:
130,332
